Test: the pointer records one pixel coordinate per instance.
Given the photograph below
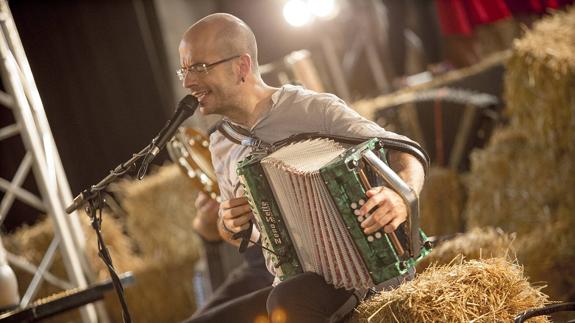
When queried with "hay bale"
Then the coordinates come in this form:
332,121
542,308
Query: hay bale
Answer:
159,224
548,255
442,200
523,180
30,242
160,210
515,184
479,243
163,292
492,290
540,82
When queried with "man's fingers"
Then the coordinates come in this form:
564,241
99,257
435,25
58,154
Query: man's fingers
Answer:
241,221
374,204
393,225
211,207
236,211
376,221
234,202
201,200
238,224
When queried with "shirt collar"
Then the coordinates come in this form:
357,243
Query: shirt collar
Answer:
275,99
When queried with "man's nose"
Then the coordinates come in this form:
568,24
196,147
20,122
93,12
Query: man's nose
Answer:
190,79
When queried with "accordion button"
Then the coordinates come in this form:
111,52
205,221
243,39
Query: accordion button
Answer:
378,235
370,238
356,212
360,219
353,205
361,202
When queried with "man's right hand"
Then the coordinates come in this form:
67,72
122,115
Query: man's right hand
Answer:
205,222
236,214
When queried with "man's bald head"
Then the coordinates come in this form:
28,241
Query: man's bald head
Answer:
225,34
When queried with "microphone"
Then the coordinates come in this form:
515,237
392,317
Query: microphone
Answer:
186,108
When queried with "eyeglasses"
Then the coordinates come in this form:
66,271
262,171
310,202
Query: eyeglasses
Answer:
201,68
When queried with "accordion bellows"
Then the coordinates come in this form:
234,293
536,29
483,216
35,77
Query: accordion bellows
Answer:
310,214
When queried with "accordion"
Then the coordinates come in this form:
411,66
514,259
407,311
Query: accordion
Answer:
305,195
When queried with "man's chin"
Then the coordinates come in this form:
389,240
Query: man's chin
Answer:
206,110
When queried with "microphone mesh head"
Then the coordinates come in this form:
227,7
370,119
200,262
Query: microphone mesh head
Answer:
189,102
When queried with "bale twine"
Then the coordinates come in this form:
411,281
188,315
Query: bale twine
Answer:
479,243
160,210
491,290
442,200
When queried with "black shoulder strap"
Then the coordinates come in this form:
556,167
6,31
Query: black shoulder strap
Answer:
240,136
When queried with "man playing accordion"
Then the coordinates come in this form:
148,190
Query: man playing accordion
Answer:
218,55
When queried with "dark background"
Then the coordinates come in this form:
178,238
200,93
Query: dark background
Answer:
102,73
102,70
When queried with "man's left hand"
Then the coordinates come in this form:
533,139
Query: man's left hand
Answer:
387,208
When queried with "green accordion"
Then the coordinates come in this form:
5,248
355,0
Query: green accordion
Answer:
305,196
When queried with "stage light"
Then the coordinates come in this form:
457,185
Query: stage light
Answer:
323,8
297,13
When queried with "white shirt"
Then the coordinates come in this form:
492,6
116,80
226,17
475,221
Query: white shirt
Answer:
294,110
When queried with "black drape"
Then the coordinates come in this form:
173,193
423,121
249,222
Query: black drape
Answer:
102,74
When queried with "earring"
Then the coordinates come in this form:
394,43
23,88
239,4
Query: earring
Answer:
243,80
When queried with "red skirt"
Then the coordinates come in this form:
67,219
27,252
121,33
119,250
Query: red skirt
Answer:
461,16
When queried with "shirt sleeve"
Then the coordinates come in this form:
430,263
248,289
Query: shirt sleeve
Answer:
217,150
341,120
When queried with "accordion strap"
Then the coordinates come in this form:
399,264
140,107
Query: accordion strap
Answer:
241,136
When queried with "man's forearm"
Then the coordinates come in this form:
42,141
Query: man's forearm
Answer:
408,168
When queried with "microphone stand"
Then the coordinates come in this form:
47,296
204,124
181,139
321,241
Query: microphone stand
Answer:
93,196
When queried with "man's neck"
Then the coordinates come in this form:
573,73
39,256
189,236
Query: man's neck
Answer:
255,105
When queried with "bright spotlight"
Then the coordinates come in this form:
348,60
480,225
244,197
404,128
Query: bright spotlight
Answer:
296,13
323,8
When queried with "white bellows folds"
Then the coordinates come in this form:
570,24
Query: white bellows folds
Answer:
319,235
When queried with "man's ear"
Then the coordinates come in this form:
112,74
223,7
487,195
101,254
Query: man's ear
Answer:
245,66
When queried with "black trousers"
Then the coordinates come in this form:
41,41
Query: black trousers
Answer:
247,278
300,299
250,276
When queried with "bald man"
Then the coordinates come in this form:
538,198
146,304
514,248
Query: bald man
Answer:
218,57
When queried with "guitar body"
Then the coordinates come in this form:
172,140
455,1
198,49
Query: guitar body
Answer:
189,149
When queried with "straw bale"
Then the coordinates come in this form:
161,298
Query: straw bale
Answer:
540,82
491,290
30,242
479,243
160,210
162,292
523,180
548,254
516,184
442,200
